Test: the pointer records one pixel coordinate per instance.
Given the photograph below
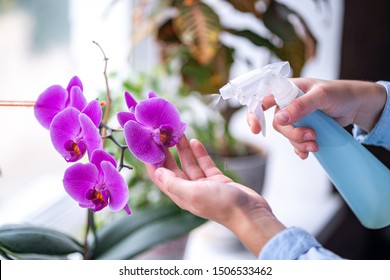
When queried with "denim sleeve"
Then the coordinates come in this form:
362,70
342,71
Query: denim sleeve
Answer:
295,244
380,135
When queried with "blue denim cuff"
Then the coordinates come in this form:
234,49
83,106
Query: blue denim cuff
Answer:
295,244
380,134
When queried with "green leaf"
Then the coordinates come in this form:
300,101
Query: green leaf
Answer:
208,78
118,230
152,234
247,6
255,39
297,47
198,27
25,239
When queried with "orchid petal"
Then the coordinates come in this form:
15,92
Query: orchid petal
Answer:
75,81
64,127
124,117
99,156
78,179
116,185
76,98
140,142
127,209
90,134
130,101
49,104
157,111
152,94
177,135
94,111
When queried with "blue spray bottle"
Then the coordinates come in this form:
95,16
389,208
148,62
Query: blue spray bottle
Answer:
361,179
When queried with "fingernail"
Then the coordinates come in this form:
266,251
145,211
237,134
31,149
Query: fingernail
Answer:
309,148
159,174
307,136
282,117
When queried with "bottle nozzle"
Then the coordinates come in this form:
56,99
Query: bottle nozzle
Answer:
227,91
250,88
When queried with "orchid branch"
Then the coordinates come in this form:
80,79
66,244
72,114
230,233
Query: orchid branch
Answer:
123,148
108,93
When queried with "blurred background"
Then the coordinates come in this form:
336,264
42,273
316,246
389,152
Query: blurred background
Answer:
47,42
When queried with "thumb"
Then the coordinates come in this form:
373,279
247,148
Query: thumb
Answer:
162,176
177,188
168,181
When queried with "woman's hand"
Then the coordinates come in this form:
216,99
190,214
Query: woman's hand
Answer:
348,102
201,188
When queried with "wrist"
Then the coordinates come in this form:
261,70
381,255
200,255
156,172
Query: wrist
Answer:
372,103
256,227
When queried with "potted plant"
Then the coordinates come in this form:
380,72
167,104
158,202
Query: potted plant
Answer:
189,36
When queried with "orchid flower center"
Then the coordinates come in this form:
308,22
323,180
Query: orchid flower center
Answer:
76,150
98,198
165,135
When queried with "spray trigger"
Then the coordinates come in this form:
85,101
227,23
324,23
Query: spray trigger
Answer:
256,107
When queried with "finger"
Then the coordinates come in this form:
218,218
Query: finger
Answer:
171,164
253,123
204,160
305,148
295,134
302,138
268,102
302,155
188,161
178,189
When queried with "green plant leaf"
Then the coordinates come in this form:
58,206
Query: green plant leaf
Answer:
152,234
209,78
256,39
25,239
120,229
297,47
198,27
247,6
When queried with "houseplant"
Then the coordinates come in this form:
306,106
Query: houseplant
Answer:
79,128
190,35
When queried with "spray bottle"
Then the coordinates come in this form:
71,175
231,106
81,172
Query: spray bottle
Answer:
361,179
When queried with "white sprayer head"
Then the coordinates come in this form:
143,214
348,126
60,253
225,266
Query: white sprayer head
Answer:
250,88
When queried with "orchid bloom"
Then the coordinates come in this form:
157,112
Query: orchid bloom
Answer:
73,134
56,98
97,184
71,120
151,127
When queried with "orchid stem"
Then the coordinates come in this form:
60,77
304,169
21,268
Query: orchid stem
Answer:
108,93
90,226
123,148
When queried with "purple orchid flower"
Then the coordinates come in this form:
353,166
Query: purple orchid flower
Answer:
56,98
97,184
151,127
73,133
